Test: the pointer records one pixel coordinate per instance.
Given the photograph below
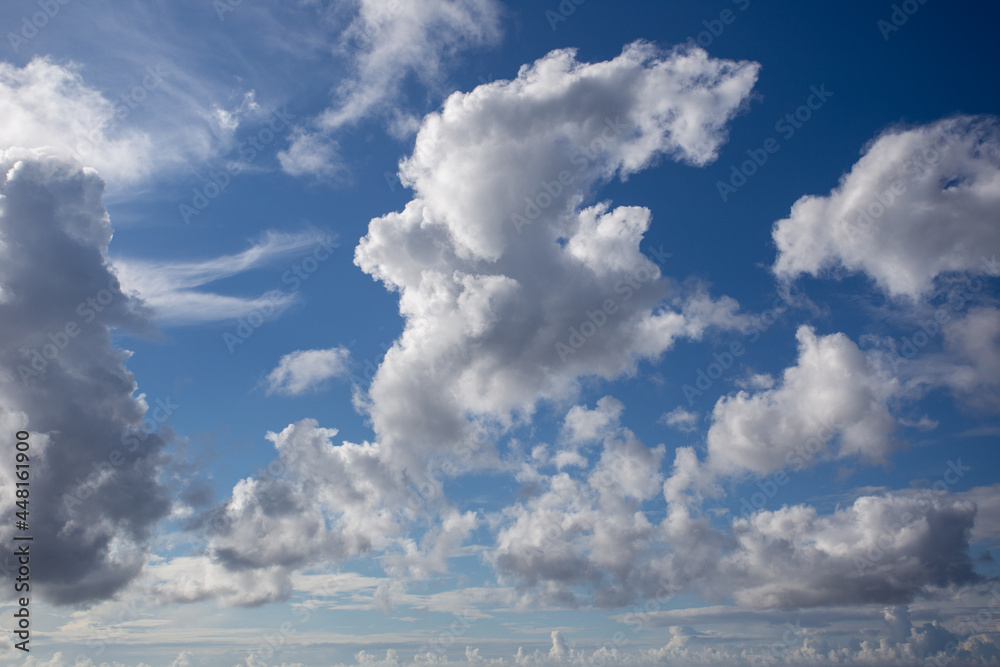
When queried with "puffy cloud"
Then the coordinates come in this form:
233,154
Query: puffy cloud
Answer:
96,447
832,390
921,202
306,370
582,425
502,311
188,579
440,543
519,135
473,333
316,504
183,659
913,214
566,540
888,548
833,403
587,532
882,549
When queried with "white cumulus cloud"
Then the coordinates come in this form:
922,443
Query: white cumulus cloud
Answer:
305,370
512,284
920,202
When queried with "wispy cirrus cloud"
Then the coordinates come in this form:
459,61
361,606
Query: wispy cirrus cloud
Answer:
169,288
383,43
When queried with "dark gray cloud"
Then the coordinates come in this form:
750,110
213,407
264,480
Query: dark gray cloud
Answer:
95,448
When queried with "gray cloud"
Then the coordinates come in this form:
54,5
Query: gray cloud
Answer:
96,465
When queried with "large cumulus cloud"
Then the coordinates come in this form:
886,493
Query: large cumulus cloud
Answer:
500,260
94,493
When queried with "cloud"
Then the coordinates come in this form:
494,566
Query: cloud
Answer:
582,425
831,391
511,285
914,214
590,537
147,95
969,363
45,104
569,543
476,330
439,544
97,447
183,659
317,504
311,154
390,40
987,501
228,120
883,549
891,636
884,636
159,124
384,44
306,370
585,534
150,94
898,636
326,500
833,403
921,202
681,419
168,287
189,579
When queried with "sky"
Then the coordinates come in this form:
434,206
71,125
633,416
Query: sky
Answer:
566,333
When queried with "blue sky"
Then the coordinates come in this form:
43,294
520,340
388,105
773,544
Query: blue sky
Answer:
381,333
